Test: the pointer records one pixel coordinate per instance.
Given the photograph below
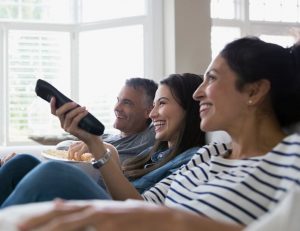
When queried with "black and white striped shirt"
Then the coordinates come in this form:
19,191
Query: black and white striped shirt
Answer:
238,191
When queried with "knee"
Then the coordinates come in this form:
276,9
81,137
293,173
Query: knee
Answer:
53,165
26,158
50,167
23,160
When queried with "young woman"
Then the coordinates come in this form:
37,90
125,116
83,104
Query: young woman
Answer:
251,91
177,138
174,115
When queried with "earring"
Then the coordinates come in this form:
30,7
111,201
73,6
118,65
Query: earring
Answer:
250,101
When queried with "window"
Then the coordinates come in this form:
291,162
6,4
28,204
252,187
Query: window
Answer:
105,55
85,48
272,20
59,11
32,55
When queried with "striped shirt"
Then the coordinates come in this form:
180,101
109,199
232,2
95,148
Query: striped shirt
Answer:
236,191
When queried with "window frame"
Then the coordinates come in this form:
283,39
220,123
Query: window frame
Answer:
254,28
153,51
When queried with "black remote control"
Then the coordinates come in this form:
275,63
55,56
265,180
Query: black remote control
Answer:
88,123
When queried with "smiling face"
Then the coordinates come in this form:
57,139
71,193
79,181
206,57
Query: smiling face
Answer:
167,116
222,106
131,110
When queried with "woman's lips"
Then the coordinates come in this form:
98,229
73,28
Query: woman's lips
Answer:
204,107
158,125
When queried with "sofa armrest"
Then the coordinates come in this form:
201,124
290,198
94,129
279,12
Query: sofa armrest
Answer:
33,149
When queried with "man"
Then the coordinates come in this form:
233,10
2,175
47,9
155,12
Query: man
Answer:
134,103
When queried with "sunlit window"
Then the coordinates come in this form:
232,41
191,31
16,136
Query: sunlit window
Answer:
274,10
94,10
226,33
274,21
107,58
285,41
33,55
85,48
58,11
223,9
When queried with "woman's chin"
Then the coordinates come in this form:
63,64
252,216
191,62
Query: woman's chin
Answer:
206,127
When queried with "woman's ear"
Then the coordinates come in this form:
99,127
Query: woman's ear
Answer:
258,91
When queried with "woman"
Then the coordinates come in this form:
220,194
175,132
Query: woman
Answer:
177,138
174,115
250,90
175,143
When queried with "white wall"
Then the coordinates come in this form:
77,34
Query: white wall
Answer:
187,45
187,27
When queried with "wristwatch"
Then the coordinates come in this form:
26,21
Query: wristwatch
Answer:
103,160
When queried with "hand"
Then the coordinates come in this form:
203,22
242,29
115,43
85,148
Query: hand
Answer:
76,150
6,158
69,116
110,217
46,221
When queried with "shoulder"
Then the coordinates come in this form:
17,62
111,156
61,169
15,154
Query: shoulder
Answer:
290,143
215,149
205,153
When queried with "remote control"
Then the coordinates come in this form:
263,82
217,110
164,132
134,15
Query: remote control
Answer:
88,123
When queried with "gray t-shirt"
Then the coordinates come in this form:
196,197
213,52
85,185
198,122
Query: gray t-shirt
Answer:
131,145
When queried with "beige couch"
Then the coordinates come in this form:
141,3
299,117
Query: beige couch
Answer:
33,149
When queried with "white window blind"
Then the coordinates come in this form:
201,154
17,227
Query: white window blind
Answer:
85,48
33,55
106,58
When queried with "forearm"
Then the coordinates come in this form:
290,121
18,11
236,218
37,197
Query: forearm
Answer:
181,220
117,184
194,223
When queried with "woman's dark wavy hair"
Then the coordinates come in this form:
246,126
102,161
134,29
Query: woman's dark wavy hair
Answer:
253,59
182,88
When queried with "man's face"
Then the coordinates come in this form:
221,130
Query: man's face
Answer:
131,110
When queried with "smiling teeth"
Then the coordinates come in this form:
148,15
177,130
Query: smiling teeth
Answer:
158,124
204,106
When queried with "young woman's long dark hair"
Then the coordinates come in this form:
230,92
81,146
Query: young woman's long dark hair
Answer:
182,88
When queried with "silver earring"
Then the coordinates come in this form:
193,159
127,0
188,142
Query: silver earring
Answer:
250,101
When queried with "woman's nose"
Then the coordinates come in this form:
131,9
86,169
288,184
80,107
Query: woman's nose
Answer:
199,92
153,113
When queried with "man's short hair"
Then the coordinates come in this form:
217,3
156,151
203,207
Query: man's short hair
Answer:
147,85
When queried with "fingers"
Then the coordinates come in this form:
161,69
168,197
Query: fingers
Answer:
73,148
7,158
52,105
83,149
75,221
45,220
72,118
61,111
69,115
76,150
